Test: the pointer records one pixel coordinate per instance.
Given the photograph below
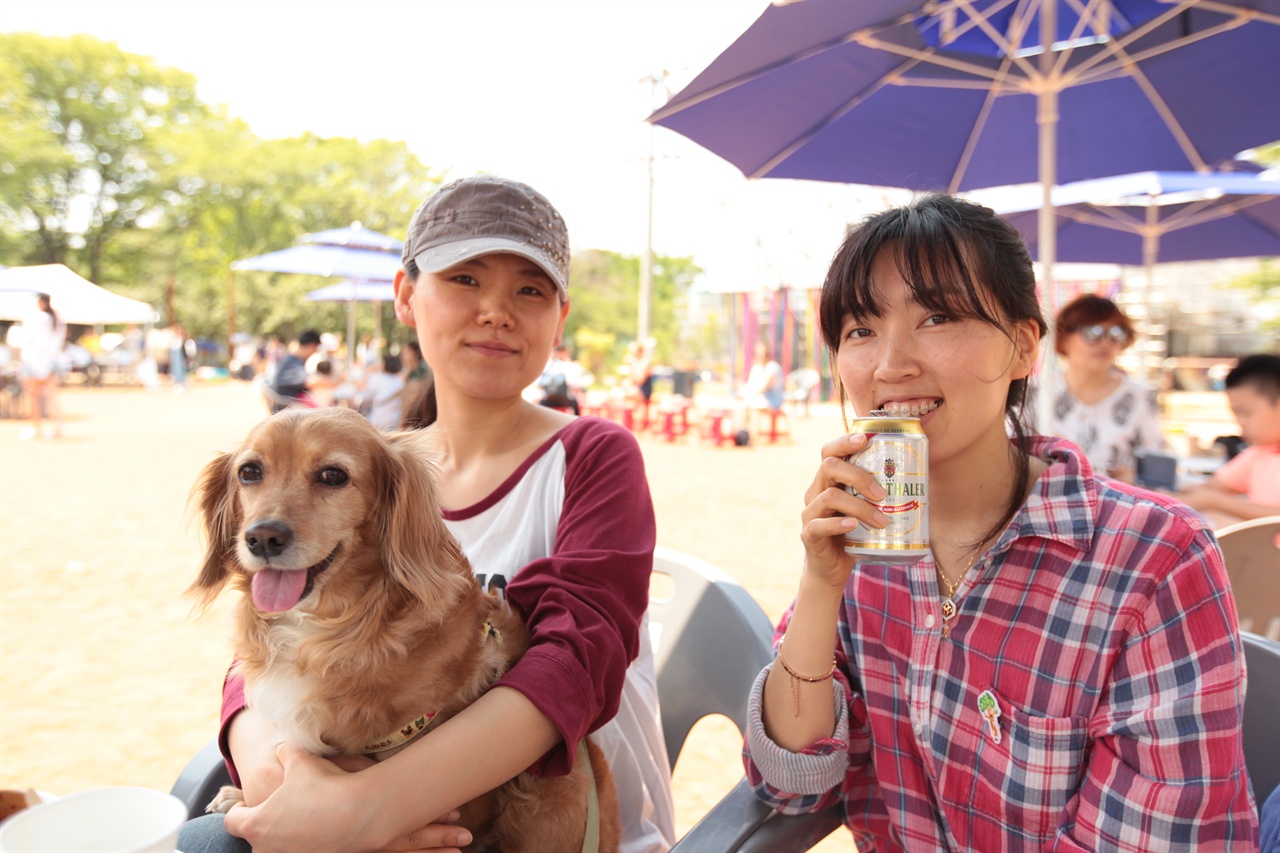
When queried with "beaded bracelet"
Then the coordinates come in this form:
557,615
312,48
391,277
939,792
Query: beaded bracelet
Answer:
796,678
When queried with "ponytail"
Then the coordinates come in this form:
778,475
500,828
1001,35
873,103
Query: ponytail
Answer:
421,412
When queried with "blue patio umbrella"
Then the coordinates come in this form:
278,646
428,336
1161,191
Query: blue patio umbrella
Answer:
355,253
352,290
354,236
1126,219
965,94
318,259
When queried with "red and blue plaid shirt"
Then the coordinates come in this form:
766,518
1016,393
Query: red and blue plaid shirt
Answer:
1103,626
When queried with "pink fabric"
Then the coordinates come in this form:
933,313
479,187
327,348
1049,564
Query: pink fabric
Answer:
1255,473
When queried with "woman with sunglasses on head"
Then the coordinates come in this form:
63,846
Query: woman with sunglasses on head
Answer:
1062,670
1099,408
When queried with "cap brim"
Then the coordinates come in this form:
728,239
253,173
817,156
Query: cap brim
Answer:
440,258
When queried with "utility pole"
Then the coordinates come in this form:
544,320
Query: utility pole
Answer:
646,260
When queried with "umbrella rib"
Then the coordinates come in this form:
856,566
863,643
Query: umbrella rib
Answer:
1009,47
833,116
971,144
1236,11
1171,121
932,57
1206,210
1103,217
1122,61
755,74
1096,15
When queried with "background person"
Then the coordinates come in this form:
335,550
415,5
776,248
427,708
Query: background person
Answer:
555,510
1099,408
384,394
1248,486
557,382
766,385
42,340
291,377
1064,670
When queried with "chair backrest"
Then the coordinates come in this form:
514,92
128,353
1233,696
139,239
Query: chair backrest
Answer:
1251,551
711,639
1262,701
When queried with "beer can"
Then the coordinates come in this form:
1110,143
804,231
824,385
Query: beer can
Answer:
897,453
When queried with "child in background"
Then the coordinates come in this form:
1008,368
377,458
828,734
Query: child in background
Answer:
1249,485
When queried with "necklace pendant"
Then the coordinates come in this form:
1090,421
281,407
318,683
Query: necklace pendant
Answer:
948,609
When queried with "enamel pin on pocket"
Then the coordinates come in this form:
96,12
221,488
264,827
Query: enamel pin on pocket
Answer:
989,707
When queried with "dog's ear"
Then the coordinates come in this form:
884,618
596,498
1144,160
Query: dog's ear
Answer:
419,552
219,511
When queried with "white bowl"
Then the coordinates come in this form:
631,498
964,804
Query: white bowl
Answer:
105,820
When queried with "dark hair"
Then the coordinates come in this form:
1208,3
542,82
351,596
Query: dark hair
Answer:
1088,310
956,257
391,363
417,349
324,368
310,336
421,410
47,307
1262,371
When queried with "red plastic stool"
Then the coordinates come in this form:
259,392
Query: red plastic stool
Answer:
713,427
774,433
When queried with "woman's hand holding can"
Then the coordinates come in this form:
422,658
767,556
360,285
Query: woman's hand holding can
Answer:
831,510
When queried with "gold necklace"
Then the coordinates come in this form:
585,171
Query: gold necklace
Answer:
949,608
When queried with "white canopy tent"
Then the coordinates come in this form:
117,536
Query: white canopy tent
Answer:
74,299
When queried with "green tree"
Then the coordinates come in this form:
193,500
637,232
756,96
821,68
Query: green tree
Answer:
1268,155
84,127
1263,287
236,196
604,287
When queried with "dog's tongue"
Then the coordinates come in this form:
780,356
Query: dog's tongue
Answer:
275,591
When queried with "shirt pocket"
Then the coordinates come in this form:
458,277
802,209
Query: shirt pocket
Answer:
1035,769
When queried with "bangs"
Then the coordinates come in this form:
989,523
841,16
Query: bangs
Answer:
933,259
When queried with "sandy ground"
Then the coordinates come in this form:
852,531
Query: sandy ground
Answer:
107,677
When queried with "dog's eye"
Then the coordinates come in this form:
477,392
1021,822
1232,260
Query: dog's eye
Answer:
334,477
250,472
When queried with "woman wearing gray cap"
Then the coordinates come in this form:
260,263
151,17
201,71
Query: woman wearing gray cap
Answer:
553,509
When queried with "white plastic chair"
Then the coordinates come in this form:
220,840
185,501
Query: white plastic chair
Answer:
711,639
1262,699
1251,552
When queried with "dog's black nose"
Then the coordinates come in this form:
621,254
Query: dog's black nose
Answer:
268,538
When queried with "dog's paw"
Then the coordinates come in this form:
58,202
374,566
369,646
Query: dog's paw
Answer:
228,796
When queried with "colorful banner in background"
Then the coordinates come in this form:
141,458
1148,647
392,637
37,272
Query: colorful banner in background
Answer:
787,320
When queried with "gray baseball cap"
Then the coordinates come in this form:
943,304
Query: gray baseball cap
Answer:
485,215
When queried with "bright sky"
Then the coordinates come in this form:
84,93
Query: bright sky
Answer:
549,92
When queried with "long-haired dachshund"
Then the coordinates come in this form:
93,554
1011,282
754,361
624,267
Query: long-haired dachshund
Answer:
361,624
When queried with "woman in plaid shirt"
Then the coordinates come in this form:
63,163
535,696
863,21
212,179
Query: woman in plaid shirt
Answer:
1087,693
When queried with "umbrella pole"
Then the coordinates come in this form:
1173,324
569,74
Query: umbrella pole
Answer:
351,329
1150,244
1047,127
231,313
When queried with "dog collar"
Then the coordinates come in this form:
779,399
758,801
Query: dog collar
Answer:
402,735
419,724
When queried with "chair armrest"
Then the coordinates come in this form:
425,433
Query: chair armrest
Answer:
742,823
200,780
